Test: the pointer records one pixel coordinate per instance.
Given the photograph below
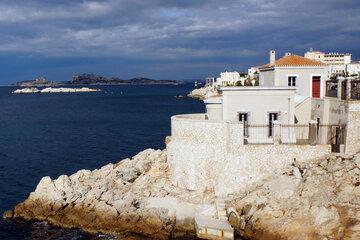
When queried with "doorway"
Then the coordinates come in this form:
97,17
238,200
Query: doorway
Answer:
316,86
335,140
243,117
272,117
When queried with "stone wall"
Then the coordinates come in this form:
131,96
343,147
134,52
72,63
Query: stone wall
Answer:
352,144
207,155
195,144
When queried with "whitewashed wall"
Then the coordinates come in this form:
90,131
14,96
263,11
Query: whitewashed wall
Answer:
267,78
258,102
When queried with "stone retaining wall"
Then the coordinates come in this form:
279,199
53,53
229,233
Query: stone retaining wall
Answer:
207,155
352,144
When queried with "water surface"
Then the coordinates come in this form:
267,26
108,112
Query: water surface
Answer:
55,134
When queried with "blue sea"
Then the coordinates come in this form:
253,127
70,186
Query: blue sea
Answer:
55,134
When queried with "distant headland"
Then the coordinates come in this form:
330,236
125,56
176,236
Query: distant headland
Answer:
93,79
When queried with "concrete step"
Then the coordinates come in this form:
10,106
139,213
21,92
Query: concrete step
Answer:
223,218
211,228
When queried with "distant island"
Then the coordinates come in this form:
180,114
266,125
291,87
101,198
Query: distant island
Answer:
93,79
38,82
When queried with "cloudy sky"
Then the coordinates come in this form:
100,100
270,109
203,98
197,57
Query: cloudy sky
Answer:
165,39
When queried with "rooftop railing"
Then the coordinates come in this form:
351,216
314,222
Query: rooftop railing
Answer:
311,134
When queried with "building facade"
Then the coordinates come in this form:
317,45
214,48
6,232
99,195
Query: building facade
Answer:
353,69
337,62
306,75
250,132
210,81
229,79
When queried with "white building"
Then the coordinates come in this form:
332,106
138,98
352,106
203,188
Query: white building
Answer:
253,72
210,81
229,79
286,92
250,132
354,68
253,105
337,62
306,75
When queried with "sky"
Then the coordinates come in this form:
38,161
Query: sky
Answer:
165,39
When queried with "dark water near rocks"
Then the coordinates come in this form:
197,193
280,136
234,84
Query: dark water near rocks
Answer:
55,134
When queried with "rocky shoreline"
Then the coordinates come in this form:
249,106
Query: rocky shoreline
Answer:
319,199
202,93
117,198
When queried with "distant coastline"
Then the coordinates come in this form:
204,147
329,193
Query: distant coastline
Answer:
93,79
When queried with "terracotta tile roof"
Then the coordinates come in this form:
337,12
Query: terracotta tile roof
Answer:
293,61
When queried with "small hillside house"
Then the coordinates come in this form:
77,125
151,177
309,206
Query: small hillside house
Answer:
306,75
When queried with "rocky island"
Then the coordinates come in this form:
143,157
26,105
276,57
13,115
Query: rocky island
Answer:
93,79
54,90
319,199
37,82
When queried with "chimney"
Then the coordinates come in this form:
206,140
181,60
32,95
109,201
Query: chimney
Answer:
287,54
272,56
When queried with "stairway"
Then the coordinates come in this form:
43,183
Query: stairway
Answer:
208,227
220,209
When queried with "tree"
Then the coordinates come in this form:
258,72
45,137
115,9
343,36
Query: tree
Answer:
247,82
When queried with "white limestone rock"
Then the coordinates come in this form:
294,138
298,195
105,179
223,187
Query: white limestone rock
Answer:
202,93
316,198
319,202
111,199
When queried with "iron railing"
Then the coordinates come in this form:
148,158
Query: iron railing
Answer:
258,134
333,134
294,134
331,89
330,133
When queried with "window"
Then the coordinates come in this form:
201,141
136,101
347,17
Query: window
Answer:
291,81
243,117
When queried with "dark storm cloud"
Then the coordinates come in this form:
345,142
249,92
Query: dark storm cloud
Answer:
198,35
